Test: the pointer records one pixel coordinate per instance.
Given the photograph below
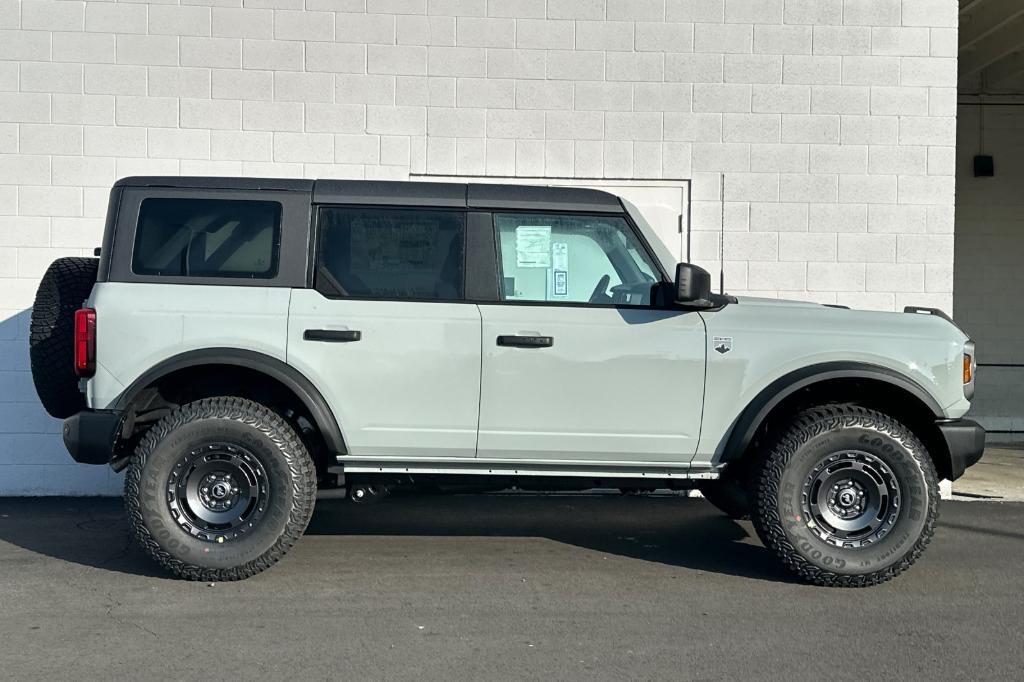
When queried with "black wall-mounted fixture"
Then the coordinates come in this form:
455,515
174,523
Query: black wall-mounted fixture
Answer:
984,167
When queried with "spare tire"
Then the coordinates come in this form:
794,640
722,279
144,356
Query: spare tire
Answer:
65,286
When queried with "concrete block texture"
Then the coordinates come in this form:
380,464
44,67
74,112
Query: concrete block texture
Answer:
833,122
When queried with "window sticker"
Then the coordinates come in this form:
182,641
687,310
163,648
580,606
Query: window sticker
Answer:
560,256
561,280
560,264
533,246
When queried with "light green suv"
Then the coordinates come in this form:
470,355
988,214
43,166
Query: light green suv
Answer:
241,343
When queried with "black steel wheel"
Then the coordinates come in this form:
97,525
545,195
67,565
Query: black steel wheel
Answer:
218,492
851,498
846,497
220,489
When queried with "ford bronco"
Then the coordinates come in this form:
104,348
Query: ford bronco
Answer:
240,344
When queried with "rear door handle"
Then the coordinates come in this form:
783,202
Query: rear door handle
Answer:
526,341
332,335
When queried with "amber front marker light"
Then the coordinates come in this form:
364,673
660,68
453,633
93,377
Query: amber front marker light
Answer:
970,369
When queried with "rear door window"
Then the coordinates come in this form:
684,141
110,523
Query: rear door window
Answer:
391,253
208,238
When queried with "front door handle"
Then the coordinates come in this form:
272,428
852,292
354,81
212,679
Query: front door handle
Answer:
526,341
332,335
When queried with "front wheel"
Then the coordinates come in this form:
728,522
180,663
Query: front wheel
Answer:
219,489
847,497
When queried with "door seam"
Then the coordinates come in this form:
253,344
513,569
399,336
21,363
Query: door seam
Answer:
480,384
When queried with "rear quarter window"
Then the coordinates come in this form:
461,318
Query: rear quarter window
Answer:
207,238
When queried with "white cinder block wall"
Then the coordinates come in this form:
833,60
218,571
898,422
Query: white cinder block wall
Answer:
833,120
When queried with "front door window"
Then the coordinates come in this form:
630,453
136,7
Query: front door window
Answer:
589,259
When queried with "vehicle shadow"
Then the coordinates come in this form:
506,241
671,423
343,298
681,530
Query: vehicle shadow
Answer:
89,531
671,530
33,460
667,529
21,413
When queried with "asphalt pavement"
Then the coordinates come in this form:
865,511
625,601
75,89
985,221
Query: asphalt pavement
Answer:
501,587
998,476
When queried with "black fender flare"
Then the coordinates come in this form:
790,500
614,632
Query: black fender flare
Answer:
754,414
274,368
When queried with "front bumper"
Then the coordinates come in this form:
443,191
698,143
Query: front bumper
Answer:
90,435
965,441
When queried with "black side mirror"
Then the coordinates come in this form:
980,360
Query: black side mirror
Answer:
693,285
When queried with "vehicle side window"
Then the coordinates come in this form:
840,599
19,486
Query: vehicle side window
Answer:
391,253
207,238
572,258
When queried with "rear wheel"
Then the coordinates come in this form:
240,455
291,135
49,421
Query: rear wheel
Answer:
63,289
847,497
220,489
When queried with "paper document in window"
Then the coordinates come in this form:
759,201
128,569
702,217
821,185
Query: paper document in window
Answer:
533,246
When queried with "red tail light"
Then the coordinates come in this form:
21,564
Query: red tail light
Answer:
85,342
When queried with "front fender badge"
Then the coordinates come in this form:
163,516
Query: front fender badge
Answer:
722,344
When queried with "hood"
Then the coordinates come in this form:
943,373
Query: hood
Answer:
781,303
912,319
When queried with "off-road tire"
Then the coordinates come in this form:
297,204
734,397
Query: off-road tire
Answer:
729,496
290,473
63,289
779,484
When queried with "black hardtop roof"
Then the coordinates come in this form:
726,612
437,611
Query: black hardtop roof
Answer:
200,182
400,192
